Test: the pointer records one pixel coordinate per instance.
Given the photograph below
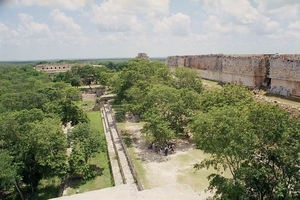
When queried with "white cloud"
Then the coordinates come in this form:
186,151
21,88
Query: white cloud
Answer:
153,9
294,25
239,12
129,15
30,28
282,9
239,17
64,23
177,25
215,24
110,16
63,4
7,35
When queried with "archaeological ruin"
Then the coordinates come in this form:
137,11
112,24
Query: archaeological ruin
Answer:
280,73
53,68
142,56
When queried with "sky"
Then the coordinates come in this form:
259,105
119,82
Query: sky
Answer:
85,29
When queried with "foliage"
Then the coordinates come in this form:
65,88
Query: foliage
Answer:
145,88
140,72
229,94
157,129
32,144
84,75
36,143
85,143
258,143
187,78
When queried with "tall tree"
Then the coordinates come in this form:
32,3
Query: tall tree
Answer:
85,143
36,143
187,78
87,139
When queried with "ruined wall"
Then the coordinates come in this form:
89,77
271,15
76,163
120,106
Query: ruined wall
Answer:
249,70
54,68
285,75
279,72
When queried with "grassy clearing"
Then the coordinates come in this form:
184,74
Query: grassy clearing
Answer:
101,161
292,101
119,112
197,179
140,170
87,87
85,105
212,84
122,126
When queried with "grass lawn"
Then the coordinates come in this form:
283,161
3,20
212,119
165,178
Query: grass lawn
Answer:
212,84
140,169
101,160
85,105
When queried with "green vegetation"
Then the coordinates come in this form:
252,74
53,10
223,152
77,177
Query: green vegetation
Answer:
258,143
33,158
100,164
141,171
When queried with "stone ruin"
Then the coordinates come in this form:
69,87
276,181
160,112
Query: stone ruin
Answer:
54,68
143,56
280,73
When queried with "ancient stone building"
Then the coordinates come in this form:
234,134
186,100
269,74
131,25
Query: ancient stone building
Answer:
54,68
281,73
143,56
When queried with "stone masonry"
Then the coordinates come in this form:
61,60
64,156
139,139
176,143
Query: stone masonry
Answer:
279,72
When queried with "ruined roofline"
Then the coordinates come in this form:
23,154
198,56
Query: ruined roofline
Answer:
271,56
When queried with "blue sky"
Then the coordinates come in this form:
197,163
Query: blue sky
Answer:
76,29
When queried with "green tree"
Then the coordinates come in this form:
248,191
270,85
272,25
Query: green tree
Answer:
137,71
75,81
187,78
273,170
87,139
8,175
258,143
77,164
36,143
67,110
229,94
224,133
86,73
85,143
157,129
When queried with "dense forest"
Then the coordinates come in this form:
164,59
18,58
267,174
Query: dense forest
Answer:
33,110
259,143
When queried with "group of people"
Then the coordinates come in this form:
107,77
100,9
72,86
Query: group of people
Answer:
166,149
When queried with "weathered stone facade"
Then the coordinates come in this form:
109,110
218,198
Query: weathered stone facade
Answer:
52,69
280,72
55,68
285,75
143,56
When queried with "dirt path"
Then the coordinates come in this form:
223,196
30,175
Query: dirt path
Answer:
175,168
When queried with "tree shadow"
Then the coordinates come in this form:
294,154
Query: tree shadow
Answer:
98,170
47,192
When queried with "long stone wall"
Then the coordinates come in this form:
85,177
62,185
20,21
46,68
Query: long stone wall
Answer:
281,73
